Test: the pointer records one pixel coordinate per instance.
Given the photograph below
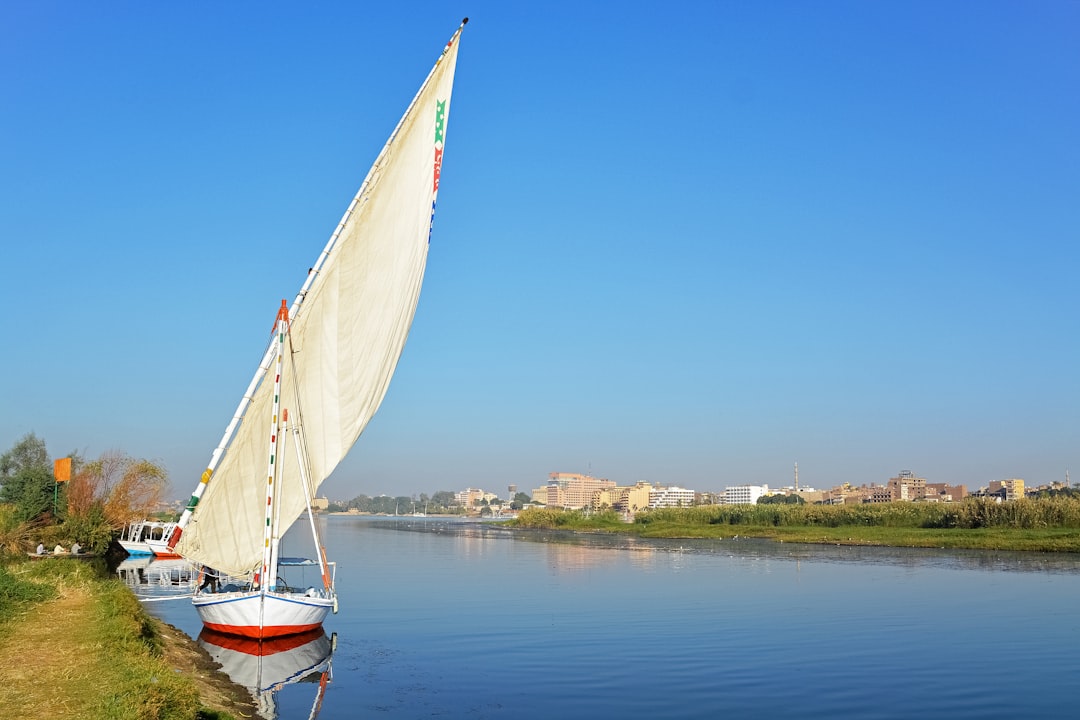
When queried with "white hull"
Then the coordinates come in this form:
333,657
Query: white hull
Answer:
257,615
148,549
136,549
148,538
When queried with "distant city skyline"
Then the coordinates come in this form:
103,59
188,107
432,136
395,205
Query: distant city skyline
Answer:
690,247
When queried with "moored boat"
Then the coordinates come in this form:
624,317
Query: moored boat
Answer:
148,537
324,374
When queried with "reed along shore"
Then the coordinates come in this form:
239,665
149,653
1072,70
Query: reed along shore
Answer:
1035,524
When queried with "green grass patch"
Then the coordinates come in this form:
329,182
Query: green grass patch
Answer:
136,681
19,593
100,653
555,519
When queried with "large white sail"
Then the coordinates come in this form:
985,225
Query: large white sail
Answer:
349,326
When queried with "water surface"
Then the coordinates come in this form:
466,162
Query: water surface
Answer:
459,619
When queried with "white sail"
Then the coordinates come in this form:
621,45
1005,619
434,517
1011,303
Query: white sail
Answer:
348,328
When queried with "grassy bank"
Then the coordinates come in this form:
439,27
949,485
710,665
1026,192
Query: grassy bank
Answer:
77,645
1044,525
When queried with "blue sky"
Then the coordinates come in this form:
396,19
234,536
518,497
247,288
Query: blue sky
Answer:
691,243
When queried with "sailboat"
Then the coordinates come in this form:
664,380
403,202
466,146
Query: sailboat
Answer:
321,379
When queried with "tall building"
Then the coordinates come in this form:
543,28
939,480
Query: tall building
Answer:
573,491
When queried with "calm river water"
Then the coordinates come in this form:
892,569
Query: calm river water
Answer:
470,620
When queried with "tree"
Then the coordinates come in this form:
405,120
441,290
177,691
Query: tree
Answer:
443,499
26,454
520,500
27,478
32,491
122,487
781,500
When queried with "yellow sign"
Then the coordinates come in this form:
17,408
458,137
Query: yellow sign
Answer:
62,469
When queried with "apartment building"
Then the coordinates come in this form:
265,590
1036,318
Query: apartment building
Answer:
670,496
1012,489
468,497
744,494
623,499
572,490
942,492
905,486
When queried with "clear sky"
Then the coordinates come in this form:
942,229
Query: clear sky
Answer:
688,243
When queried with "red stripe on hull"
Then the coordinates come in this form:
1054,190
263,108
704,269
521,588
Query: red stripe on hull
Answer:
257,633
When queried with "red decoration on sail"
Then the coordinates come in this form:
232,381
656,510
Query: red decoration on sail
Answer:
438,167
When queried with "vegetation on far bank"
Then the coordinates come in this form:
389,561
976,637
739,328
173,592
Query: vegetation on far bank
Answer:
1038,524
442,502
76,644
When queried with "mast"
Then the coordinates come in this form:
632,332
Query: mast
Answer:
269,569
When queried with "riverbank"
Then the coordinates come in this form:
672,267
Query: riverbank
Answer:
78,646
1038,525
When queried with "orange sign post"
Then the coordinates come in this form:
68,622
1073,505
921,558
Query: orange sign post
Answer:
62,473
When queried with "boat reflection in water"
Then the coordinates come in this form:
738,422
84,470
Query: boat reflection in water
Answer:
265,667
144,573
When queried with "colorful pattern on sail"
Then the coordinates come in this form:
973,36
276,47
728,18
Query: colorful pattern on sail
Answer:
440,129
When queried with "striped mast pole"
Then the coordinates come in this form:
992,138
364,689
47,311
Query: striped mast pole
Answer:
273,469
295,309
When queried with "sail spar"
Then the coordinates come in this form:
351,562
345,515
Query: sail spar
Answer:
349,325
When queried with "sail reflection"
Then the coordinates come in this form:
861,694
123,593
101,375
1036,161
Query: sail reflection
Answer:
265,667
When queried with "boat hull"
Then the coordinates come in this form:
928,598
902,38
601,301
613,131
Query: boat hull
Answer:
148,537
141,549
136,549
259,615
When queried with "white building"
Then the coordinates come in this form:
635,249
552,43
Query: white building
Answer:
744,494
470,496
670,497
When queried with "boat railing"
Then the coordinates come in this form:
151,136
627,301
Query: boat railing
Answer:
237,583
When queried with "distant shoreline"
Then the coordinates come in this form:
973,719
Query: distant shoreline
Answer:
1054,540
1024,528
